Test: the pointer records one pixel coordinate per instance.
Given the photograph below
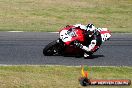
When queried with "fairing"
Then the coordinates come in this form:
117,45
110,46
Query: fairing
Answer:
69,34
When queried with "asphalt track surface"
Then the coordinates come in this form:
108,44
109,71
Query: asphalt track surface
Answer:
27,48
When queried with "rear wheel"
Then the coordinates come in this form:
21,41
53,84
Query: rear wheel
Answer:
52,48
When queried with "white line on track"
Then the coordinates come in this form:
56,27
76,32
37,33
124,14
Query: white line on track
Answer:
24,31
15,31
53,32
59,65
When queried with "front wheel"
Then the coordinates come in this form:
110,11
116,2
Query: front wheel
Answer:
52,49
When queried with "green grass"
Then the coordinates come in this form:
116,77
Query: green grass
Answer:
51,15
57,76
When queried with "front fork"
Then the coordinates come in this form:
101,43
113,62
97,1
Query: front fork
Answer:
61,46
59,41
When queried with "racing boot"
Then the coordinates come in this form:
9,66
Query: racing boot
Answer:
87,56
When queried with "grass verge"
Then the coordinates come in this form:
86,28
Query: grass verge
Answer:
51,15
57,76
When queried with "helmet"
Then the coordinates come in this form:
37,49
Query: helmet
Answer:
91,29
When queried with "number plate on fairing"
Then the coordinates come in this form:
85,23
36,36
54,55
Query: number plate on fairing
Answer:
64,36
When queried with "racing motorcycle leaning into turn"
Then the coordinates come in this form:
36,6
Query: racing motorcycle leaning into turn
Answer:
69,37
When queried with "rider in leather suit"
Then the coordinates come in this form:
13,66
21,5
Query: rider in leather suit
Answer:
94,39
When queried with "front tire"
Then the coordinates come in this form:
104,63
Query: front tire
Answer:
52,48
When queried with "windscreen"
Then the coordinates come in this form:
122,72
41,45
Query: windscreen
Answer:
71,32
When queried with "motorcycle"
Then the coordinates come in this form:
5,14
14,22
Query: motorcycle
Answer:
64,45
